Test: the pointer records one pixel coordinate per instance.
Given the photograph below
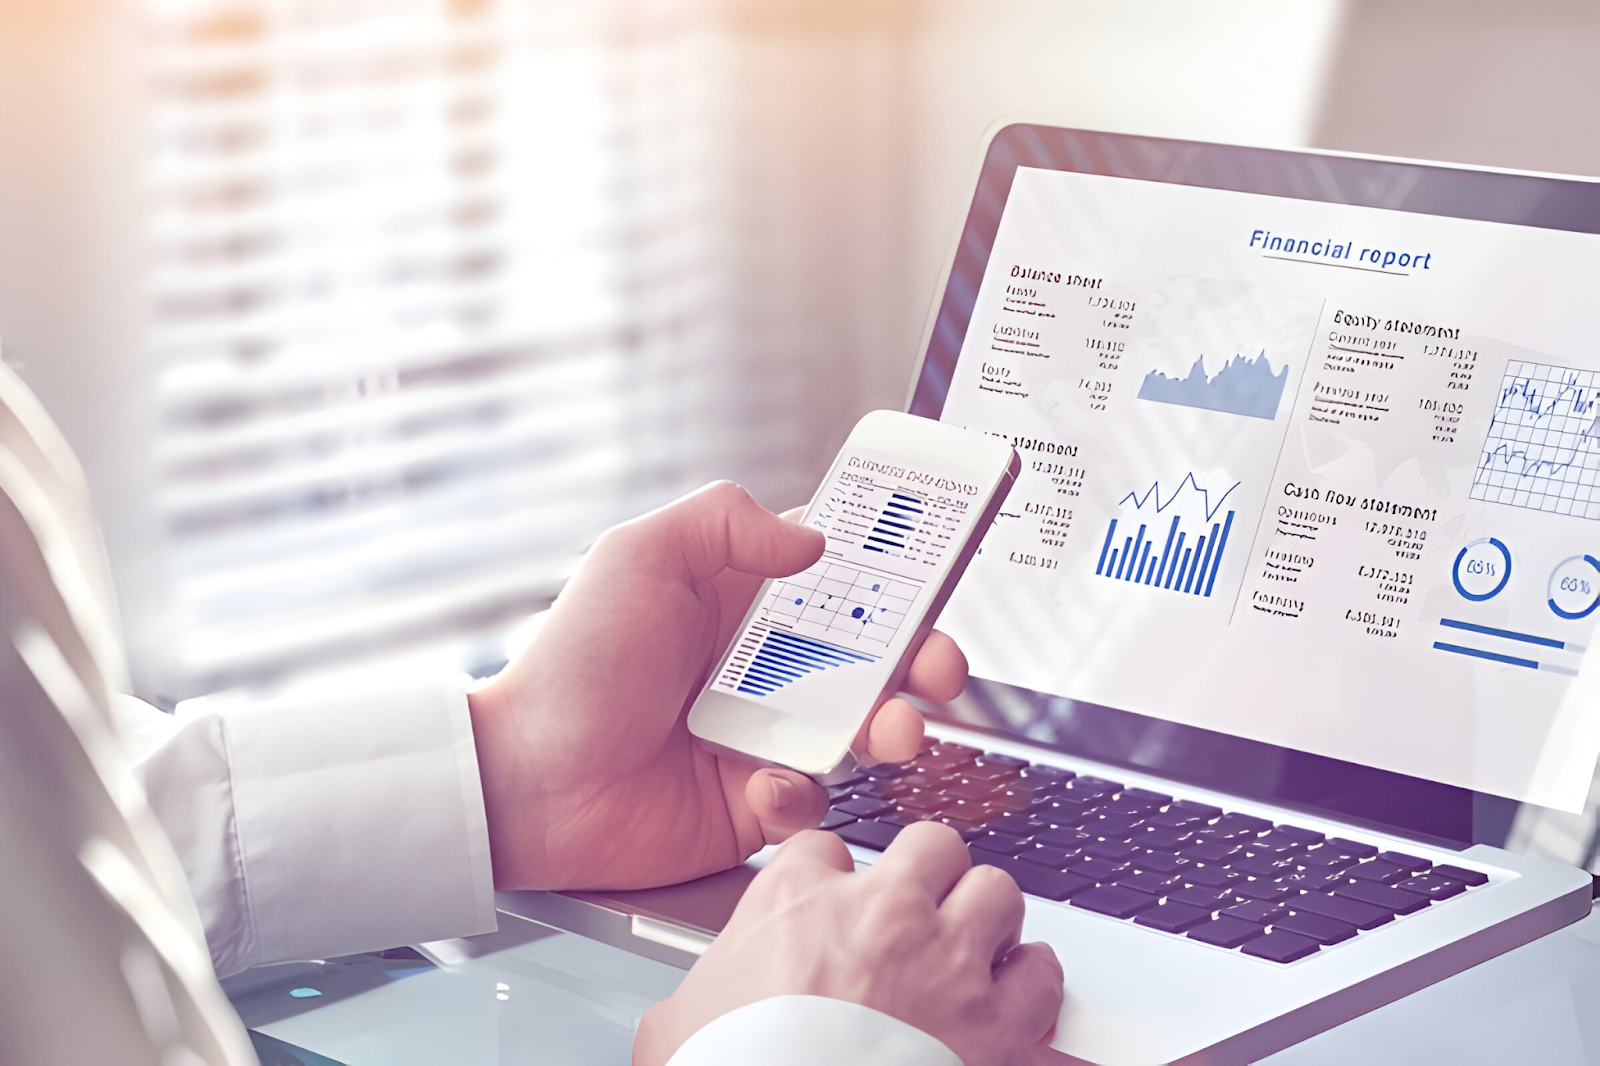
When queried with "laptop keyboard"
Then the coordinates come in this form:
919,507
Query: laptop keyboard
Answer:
1276,891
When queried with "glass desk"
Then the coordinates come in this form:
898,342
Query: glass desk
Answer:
529,994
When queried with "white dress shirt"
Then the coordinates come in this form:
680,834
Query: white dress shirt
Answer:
298,828
299,849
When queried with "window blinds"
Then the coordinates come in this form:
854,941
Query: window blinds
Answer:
430,303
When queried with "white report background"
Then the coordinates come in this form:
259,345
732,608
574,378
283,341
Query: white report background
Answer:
1338,465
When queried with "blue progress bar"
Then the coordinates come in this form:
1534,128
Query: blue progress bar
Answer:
1509,660
1490,631
787,657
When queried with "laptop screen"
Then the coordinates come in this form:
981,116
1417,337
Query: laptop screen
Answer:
1311,469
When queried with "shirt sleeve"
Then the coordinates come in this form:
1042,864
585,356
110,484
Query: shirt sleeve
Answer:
323,825
811,1031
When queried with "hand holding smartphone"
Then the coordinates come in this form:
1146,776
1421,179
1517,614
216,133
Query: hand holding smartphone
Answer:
904,509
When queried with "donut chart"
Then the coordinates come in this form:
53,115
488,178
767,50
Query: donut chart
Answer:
1482,569
1574,590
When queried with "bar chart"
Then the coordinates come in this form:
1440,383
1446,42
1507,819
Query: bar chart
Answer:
1152,549
767,659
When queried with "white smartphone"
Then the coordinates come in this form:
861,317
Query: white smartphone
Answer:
904,508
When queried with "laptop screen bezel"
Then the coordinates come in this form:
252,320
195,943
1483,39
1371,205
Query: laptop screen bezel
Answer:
1408,806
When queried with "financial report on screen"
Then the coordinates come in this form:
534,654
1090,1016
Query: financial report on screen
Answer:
1313,474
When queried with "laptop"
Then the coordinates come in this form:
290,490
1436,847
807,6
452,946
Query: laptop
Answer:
1289,608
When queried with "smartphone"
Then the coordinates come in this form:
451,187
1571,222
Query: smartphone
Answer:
903,509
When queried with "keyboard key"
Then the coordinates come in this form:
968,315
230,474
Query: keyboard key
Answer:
1066,811
917,801
1098,869
1226,932
939,760
841,792
1159,799
1352,847
888,769
1036,772
1208,851
1020,823
902,818
864,806
989,772
1434,887
1172,917
1325,859
1408,863
1020,796
834,819
1110,850
1391,899
1003,760
1248,822
1224,834
963,749
969,831
1319,928
1278,843
1112,826
1123,805
1153,883
1209,898
1161,862
1082,787
1000,844
1359,914
1046,884
869,834
1295,832
969,789
1211,876
1470,878
1313,880
1264,890
1265,866
1384,873
1256,911
1053,858
1064,837
1280,946
1115,900
975,811
1175,819
1204,811
1161,839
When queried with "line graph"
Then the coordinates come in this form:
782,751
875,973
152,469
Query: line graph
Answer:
1542,450
1144,558
1188,480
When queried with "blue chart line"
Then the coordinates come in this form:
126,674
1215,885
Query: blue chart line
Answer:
1188,479
1492,656
1508,634
1243,387
787,657
899,517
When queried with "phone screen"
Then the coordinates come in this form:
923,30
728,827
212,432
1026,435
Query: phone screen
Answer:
822,644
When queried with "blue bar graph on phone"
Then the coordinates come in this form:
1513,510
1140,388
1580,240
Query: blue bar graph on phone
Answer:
781,658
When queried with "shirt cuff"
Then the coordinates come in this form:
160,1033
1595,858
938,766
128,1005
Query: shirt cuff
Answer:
360,821
811,1031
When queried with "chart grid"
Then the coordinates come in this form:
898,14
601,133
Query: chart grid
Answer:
1542,451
